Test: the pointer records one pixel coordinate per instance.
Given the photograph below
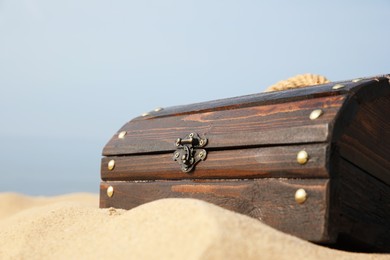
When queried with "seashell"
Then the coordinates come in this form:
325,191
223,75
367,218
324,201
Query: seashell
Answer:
298,81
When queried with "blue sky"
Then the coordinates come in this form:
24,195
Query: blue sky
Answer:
73,72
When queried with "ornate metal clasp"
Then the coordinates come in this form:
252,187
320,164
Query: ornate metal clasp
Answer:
189,152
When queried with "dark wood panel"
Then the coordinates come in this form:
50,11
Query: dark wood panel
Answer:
240,163
266,98
364,130
285,123
269,200
363,201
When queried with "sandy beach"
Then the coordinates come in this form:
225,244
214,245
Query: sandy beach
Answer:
73,227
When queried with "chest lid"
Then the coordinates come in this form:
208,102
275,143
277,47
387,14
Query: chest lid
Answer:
234,130
264,119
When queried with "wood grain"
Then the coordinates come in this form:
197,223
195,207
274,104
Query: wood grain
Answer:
269,200
285,123
364,130
251,161
240,163
363,215
265,98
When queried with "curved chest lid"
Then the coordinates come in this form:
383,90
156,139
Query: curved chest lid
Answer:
265,119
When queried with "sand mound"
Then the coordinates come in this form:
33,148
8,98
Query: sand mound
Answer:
70,227
11,203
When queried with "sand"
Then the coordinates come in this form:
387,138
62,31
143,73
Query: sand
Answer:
73,227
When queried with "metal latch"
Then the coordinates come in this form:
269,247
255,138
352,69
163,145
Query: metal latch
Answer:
188,152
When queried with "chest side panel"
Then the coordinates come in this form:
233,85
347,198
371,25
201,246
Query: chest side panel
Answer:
363,130
359,209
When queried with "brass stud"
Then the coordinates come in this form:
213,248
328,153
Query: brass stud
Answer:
145,114
158,109
191,135
110,191
338,86
357,80
302,157
122,134
300,196
111,165
201,154
177,154
316,114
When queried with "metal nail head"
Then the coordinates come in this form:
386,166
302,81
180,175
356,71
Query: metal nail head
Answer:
122,134
302,157
357,80
300,196
338,86
110,191
316,114
111,165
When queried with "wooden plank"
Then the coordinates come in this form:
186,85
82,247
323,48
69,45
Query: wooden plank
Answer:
363,130
363,215
240,163
269,200
286,123
266,98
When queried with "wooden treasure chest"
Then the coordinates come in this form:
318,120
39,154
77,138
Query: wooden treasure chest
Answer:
313,162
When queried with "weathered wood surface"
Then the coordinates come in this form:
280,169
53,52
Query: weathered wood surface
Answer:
364,130
265,98
363,209
283,123
252,146
239,163
269,200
